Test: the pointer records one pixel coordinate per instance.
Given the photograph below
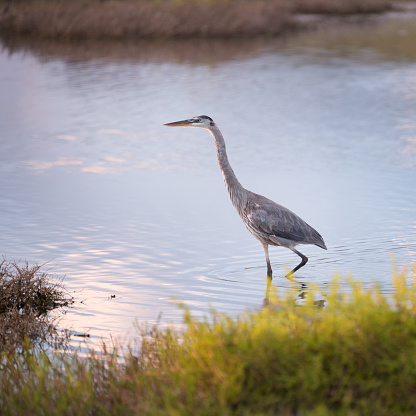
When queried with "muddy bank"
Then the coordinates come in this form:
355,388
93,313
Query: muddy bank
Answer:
396,10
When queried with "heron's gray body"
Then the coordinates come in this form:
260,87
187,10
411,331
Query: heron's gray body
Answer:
270,223
276,225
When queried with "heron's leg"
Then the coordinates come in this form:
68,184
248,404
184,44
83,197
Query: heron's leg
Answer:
266,300
301,264
269,267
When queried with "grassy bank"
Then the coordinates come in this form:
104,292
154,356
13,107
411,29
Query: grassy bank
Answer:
357,356
138,19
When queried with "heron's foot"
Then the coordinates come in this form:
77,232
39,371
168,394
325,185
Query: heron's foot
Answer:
290,276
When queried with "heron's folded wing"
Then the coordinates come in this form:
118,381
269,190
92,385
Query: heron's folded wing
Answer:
276,220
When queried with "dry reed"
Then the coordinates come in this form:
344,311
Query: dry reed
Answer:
27,294
141,19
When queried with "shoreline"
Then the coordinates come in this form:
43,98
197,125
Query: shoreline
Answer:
138,19
313,21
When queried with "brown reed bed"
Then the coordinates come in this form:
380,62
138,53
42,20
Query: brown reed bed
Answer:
142,19
27,295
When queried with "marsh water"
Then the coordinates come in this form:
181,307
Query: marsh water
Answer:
136,216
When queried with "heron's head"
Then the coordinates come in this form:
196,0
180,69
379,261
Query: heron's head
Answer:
204,122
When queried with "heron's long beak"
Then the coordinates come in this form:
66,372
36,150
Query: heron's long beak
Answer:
179,123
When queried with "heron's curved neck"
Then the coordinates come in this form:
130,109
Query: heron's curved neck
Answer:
237,193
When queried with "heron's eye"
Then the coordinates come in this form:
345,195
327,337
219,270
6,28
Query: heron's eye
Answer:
197,120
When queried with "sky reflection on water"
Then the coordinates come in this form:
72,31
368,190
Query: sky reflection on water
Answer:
95,185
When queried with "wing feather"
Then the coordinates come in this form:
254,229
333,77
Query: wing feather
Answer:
275,220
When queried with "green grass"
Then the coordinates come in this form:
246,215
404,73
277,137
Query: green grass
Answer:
355,356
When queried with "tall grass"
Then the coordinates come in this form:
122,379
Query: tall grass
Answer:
146,19
356,356
121,19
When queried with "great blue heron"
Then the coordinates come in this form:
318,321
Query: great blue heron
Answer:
269,222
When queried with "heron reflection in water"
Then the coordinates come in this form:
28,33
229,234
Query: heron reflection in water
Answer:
301,290
271,223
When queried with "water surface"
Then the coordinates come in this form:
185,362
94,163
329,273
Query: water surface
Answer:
93,184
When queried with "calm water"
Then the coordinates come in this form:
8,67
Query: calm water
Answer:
93,183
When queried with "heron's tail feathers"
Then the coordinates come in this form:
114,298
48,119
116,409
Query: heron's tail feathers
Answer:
321,244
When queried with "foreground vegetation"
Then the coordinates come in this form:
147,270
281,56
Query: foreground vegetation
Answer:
121,19
356,356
